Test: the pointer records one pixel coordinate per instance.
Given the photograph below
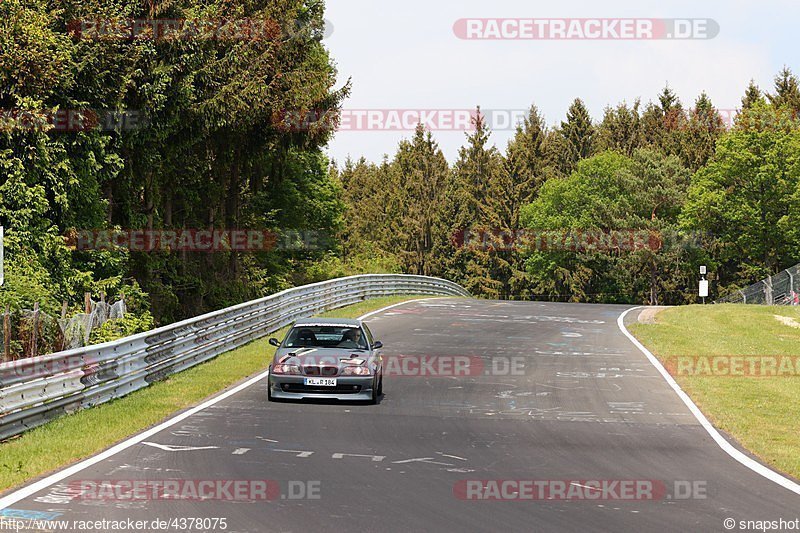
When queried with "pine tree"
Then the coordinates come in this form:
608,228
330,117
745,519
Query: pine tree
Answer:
621,129
668,100
422,169
472,214
359,190
787,92
701,134
525,166
663,123
524,171
752,96
477,162
578,134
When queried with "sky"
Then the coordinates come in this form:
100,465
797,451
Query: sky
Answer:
407,56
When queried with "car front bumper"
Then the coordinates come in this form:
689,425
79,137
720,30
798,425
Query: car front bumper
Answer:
348,388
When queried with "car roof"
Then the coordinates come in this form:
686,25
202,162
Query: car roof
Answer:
337,322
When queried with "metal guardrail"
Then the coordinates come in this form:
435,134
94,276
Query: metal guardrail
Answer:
34,391
780,289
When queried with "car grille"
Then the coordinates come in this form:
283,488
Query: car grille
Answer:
326,371
340,389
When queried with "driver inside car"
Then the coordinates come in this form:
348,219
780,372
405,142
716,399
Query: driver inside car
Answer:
352,339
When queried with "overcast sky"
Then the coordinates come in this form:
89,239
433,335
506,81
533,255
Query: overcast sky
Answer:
406,55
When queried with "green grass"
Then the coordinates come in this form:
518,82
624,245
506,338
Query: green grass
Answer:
762,413
83,434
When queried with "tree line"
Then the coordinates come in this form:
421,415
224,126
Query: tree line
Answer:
208,150
676,180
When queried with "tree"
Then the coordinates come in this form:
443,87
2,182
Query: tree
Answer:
752,96
701,133
578,135
661,268
621,129
598,235
217,149
743,196
663,123
468,211
587,200
422,169
787,92
525,169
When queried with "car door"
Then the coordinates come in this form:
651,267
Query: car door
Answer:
376,354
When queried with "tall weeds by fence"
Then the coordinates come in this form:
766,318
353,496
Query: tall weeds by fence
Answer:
33,332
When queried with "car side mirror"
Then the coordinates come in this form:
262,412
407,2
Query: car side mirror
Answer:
275,342
377,346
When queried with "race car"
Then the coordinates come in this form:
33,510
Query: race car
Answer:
327,359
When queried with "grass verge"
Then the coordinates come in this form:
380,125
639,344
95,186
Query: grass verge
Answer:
761,411
85,433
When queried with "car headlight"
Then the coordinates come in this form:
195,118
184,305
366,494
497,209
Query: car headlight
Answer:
356,371
286,369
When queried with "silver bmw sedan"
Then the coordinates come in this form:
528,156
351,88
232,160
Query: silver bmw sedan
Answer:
327,359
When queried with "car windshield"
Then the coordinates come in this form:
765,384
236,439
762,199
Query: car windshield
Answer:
321,336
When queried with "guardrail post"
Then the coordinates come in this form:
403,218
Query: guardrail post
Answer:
6,336
35,339
768,291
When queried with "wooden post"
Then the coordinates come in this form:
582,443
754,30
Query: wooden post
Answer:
59,343
87,302
6,336
35,339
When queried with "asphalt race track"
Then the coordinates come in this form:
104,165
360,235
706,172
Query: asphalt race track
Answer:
554,393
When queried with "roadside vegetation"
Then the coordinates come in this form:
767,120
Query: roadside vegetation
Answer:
668,186
762,412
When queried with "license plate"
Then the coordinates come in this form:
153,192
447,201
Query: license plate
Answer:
320,382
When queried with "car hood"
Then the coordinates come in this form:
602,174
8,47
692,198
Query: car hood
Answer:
321,356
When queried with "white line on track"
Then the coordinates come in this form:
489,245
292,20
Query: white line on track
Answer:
726,446
37,486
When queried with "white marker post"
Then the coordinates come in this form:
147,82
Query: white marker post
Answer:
703,284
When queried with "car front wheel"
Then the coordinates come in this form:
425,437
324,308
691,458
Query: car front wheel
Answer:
374,399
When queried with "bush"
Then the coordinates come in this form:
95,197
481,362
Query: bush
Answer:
118,328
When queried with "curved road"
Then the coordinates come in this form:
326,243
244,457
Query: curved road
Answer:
553,392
